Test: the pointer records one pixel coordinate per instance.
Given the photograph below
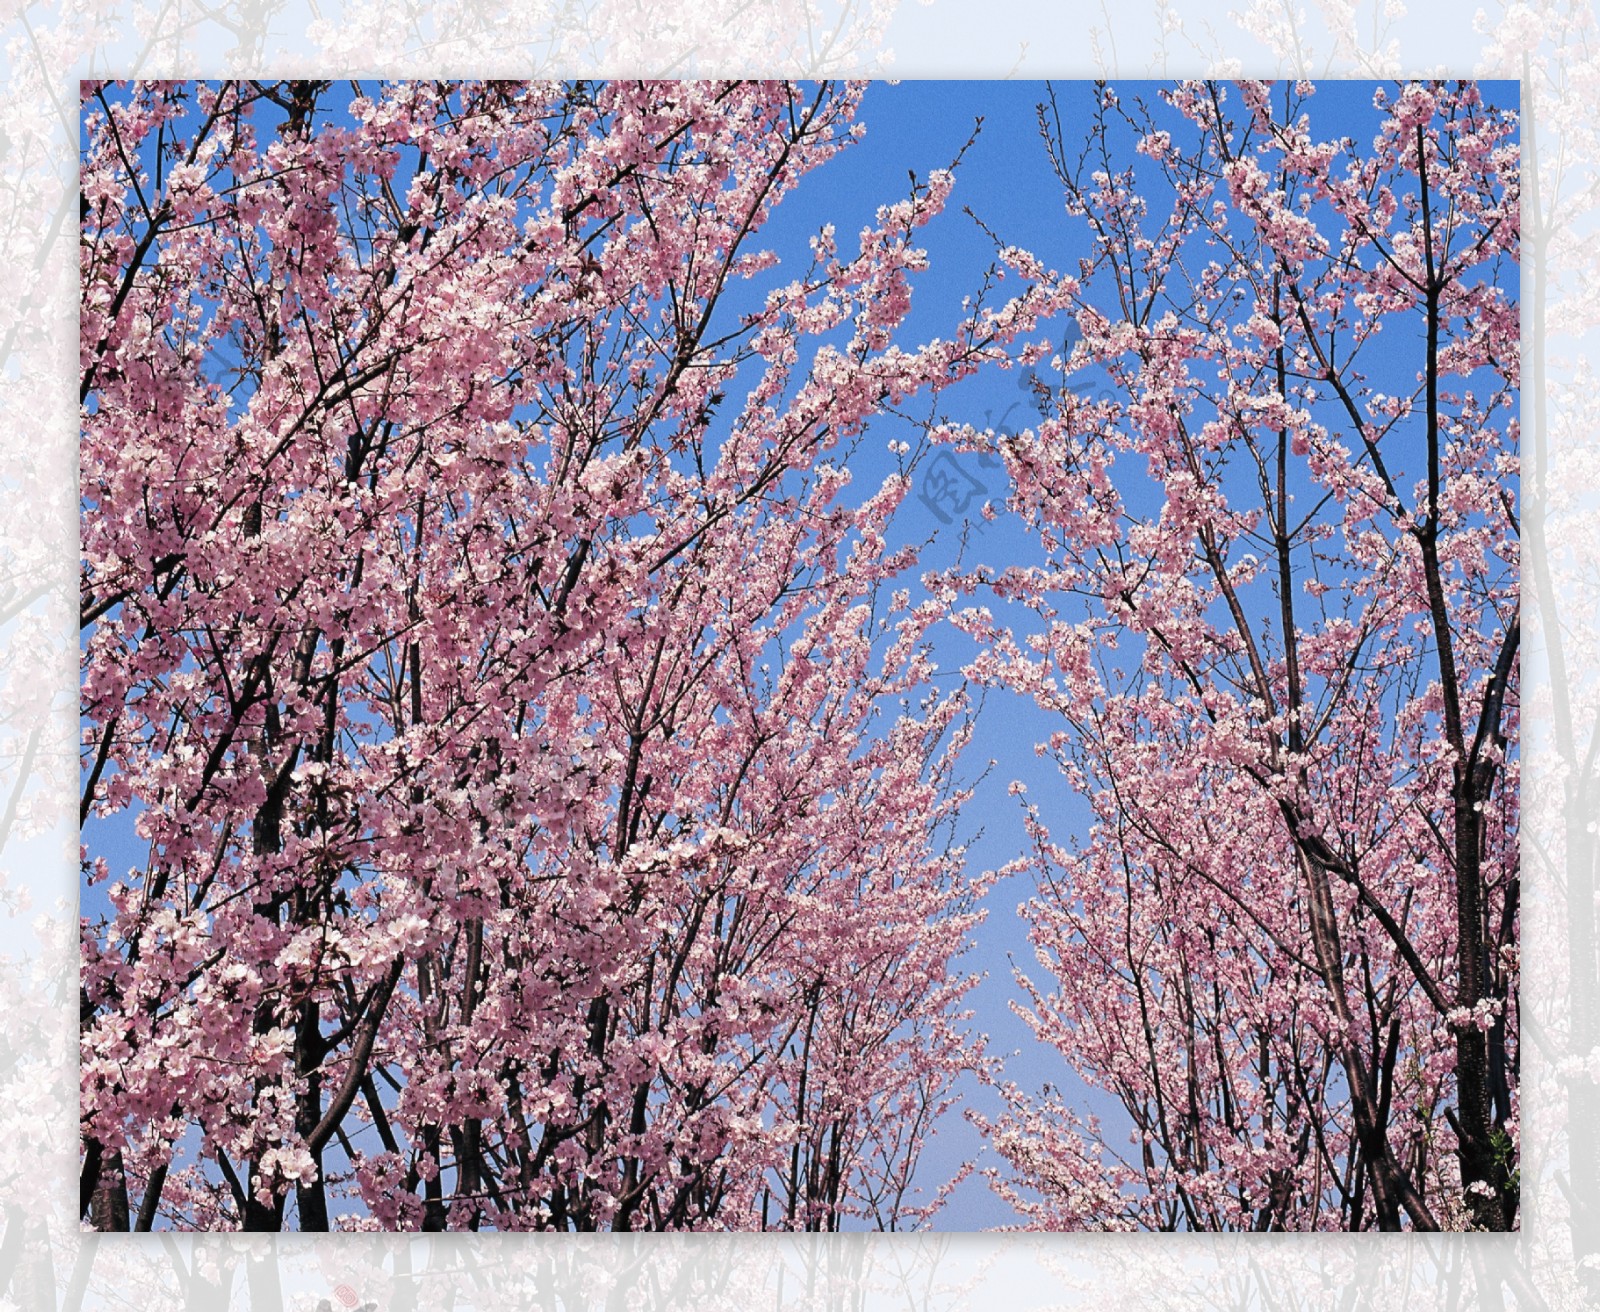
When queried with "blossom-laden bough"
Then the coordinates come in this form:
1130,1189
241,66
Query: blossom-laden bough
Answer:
545,811
1277,630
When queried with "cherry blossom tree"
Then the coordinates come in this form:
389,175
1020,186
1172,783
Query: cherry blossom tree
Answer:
1277,630
547,812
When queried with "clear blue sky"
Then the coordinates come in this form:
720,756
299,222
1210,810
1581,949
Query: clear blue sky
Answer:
1005,179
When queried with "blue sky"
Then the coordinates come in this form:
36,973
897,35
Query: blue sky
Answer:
1005,179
